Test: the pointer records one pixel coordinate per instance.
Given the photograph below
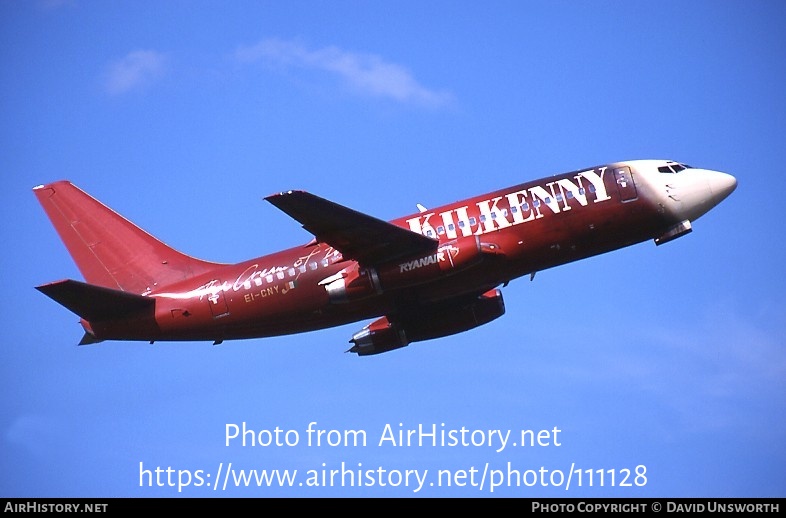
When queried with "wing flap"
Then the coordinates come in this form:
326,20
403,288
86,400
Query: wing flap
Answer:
356,235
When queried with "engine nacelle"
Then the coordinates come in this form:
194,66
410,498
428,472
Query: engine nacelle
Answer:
382,335
452,257
452,319
378,337
354,282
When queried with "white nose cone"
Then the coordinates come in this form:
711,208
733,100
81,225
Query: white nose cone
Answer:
699,190
721,185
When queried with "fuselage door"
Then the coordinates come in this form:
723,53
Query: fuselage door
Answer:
218,303
624,178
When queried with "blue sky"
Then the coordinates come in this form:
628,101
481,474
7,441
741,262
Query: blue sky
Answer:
182,116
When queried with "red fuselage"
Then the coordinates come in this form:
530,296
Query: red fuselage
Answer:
479,243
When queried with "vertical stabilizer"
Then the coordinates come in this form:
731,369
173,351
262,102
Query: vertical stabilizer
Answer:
108,249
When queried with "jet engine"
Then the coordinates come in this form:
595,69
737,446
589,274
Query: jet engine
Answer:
356,282
384,335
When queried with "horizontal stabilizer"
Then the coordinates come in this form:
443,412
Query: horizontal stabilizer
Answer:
94,303
357,236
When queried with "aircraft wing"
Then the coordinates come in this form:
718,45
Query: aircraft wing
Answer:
357,236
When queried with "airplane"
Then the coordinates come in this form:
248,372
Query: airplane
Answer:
427,275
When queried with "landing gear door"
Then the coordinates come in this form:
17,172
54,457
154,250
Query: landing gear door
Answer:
627,189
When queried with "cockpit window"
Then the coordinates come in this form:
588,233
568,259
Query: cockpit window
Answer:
673,168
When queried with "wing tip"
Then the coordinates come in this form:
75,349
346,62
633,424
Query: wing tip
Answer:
89,339
285,193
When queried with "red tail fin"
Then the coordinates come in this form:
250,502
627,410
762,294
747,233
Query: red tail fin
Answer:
108,249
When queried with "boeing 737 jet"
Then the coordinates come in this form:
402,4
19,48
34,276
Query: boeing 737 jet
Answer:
427,275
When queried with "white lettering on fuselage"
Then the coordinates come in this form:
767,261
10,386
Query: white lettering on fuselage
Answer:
268,279
523,205
486,216
423,261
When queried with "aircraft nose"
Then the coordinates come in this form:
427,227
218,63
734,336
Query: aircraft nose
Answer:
696,191
721,185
